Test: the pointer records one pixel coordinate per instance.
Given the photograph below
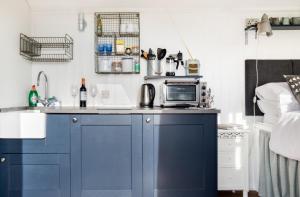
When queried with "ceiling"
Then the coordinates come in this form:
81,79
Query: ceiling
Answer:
172,4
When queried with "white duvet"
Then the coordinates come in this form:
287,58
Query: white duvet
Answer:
285,137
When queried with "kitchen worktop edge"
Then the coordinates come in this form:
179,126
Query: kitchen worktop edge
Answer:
156,110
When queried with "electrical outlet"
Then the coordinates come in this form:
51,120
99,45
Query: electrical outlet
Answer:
251,21
105,94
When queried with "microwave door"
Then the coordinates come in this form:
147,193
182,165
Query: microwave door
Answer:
181,93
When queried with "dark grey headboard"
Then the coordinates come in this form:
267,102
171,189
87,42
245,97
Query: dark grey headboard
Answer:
268,71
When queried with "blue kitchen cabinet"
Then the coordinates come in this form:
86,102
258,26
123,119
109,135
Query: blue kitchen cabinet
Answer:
180,155
106,156
37,167
34,175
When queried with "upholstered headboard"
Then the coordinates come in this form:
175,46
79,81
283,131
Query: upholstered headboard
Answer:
268,71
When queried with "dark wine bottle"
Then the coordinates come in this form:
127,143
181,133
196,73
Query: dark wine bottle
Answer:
83,93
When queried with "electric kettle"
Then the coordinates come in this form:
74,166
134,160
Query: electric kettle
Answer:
147,95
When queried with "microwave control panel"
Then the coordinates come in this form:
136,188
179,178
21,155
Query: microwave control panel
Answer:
204,100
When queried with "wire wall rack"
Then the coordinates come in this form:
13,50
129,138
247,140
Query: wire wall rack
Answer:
46,49
117,37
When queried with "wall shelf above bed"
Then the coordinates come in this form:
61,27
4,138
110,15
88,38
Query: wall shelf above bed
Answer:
275,27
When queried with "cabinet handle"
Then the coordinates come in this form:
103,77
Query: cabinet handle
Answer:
2,160
75,120
148,120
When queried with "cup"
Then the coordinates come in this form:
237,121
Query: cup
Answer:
275,21
286,21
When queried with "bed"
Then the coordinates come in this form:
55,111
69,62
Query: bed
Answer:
278,175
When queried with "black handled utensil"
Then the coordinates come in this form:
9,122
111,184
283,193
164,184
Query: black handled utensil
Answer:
161,53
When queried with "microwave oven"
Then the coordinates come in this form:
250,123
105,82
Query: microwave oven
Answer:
185,93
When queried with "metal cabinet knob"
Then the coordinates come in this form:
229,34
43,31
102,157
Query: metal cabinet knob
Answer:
2,160
148,120
75,120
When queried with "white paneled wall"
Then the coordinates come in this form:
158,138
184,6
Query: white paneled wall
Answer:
15,72
214,36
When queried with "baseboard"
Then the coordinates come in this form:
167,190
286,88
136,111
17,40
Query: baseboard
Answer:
235,193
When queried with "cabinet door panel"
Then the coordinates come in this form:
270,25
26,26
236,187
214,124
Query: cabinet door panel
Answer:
35,175
178,151
106,156
180,155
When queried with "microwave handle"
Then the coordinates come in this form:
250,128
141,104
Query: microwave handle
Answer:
190,82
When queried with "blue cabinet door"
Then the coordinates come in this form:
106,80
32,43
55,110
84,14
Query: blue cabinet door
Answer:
106,156
180,155
57,138
35,175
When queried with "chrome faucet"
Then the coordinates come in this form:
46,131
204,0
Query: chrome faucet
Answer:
46,102
46,82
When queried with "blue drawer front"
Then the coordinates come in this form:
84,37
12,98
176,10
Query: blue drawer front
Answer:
57,139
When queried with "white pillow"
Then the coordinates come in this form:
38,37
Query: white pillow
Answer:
276,92
275,108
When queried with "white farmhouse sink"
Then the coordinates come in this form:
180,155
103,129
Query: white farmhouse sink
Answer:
27,124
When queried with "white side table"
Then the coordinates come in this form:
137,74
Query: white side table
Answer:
233,170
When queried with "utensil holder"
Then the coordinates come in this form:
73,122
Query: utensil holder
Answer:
154,68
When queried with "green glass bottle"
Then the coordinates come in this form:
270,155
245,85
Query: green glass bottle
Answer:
33,97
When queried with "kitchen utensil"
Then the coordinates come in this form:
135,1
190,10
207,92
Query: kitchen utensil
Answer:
178,59
192,67
147,95
161,53
170,66
127,64
286,21
275,21
153,67
295,21
144,55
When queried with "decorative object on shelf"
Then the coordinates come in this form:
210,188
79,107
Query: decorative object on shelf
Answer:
117,36
295,20
192,67
81,22
286,21
263,27
46,49
275,21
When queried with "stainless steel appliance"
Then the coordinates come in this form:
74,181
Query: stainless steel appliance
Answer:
147,95
185,93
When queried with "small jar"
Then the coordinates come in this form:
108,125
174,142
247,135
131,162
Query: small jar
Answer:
116,66
120,47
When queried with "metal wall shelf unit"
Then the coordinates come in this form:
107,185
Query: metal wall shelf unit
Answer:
111,28
46,49
172,77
